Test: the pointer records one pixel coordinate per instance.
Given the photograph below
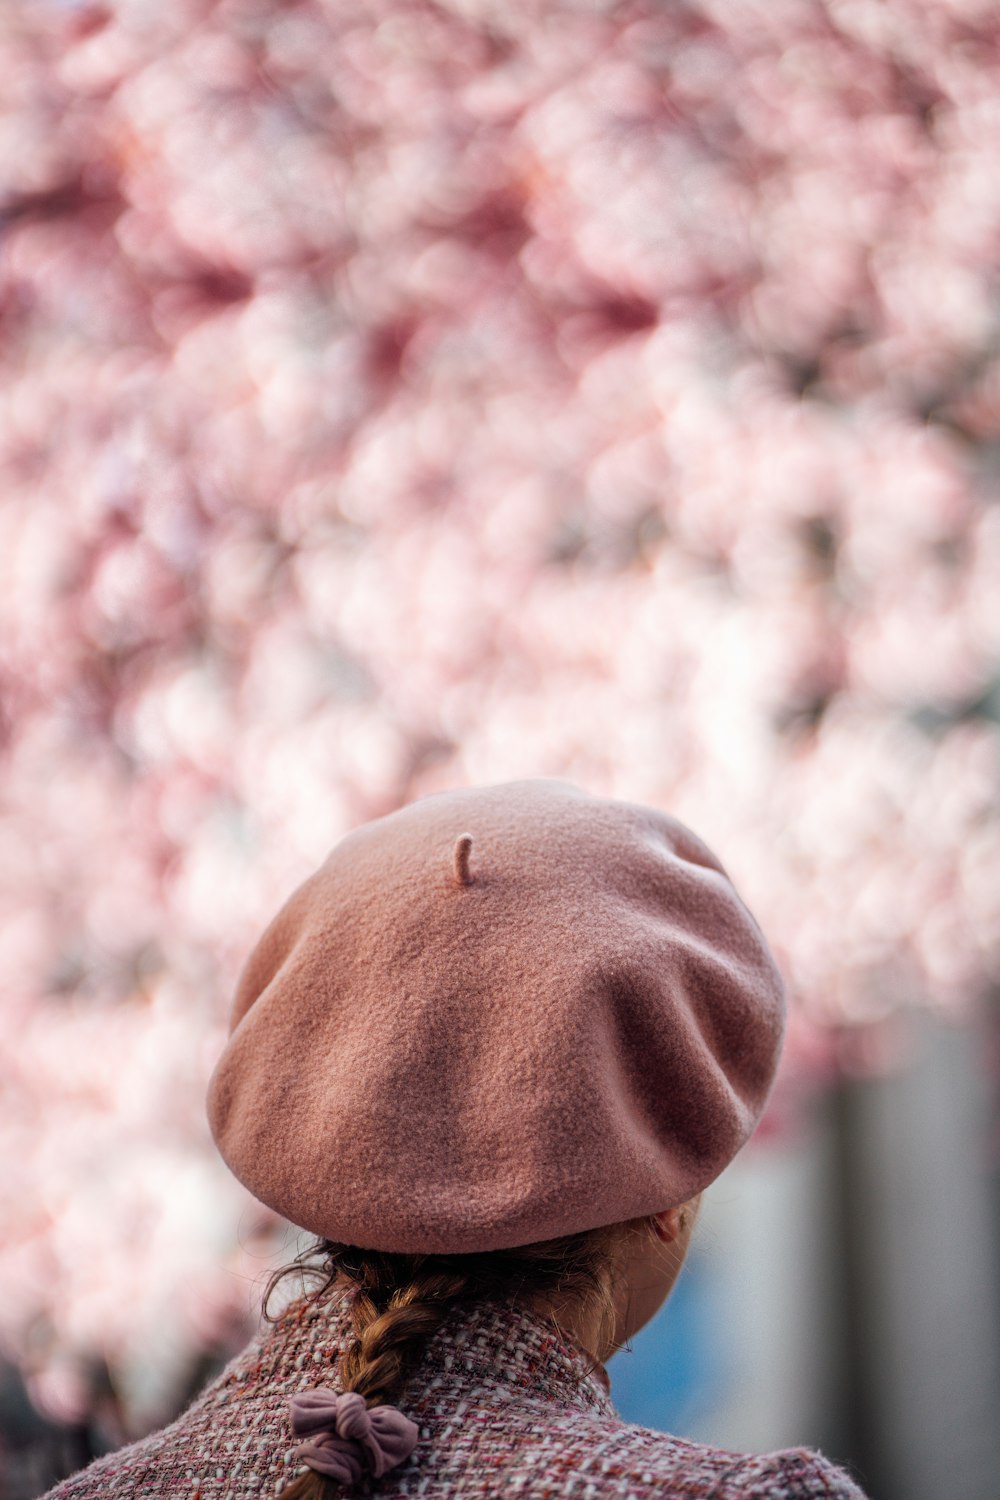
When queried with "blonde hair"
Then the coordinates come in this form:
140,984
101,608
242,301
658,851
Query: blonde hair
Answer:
401,1300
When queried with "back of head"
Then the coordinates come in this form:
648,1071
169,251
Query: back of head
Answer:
496,1030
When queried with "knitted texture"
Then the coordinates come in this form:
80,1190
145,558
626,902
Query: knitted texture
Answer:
496,1016
505,1405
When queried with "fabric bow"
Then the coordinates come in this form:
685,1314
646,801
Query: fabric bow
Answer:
346,1436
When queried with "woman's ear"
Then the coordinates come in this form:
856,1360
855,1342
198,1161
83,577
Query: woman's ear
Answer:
670,1224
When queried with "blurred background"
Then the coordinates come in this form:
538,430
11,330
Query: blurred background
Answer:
418,394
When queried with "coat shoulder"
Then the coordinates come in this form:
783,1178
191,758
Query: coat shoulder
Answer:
621,1460
788,1474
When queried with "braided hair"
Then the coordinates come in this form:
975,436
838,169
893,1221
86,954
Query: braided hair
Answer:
401,1300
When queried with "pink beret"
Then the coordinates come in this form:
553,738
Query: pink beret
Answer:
498,1015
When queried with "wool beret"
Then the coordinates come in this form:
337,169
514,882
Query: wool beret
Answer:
498,1015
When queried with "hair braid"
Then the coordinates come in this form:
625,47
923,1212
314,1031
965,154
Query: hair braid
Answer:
390,1334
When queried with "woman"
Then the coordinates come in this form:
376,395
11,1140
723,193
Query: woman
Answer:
490,1055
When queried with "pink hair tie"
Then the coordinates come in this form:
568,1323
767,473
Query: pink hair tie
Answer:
346,1436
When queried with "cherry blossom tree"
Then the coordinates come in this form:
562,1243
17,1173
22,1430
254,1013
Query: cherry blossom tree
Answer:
421,394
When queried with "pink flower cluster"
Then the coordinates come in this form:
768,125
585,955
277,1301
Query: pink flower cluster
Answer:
414,394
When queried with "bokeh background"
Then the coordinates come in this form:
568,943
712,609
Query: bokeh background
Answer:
415,394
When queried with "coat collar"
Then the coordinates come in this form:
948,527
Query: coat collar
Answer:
490,1347
504,1344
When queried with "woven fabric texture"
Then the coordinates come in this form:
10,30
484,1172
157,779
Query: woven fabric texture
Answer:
506,1405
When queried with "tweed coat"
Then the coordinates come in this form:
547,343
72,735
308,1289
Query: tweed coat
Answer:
505,1405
